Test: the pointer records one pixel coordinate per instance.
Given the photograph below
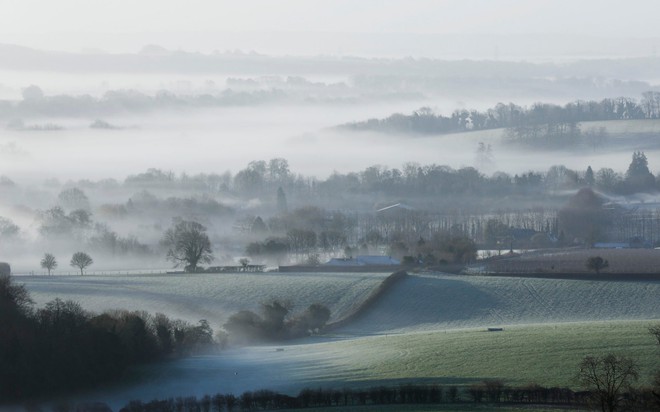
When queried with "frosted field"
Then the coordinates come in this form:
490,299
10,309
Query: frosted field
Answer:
432,302
213,297
420,302
425,327
547,354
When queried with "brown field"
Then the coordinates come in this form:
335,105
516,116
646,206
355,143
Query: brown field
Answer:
627,263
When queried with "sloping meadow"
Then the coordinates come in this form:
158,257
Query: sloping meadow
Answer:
417,302
213,297
422,328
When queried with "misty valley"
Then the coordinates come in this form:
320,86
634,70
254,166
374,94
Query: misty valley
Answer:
225,231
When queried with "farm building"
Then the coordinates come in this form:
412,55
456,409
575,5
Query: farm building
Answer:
363,260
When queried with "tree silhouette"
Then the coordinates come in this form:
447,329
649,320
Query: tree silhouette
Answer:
597,263
606,377
49,262
583,217
188,244
638,176
81,260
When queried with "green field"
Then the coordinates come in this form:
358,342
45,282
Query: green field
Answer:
427,328
546,354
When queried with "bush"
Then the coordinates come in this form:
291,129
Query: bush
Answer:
274,324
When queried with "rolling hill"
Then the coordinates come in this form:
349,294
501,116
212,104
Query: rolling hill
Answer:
421,328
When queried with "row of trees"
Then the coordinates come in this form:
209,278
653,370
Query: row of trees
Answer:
273,181
557,121
608,382
607,390
81,260
306,231
73,219
62,348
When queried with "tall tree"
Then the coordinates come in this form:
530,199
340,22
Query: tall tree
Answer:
49,262
188,244
639,177
607,377
81,260
596,263
583,217
589,177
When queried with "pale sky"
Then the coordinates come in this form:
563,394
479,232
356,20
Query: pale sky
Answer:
118,25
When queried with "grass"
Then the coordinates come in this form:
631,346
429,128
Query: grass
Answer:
426,328
546,354
417,303
205,296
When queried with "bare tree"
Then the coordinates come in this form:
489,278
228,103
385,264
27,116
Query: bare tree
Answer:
607,377
49,262
596,263
81,260
188,243
655,331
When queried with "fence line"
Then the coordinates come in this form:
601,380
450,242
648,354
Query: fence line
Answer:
98,272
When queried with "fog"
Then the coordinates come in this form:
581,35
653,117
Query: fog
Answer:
298,132
219,140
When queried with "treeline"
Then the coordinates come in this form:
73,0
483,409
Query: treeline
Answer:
559,120
276,323
489,391
62,348
438,199
273,180
35,104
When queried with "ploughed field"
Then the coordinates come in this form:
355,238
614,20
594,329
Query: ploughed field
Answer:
622,262
422,328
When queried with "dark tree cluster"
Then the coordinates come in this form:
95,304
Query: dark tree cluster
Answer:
61,348
36,104
487,392
276,322
440,248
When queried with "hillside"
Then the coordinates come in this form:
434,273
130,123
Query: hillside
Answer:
548,355
623,263
422,327
415,303
213,297
433,302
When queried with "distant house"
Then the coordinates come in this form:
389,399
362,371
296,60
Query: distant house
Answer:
633,243
363,260
612,245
